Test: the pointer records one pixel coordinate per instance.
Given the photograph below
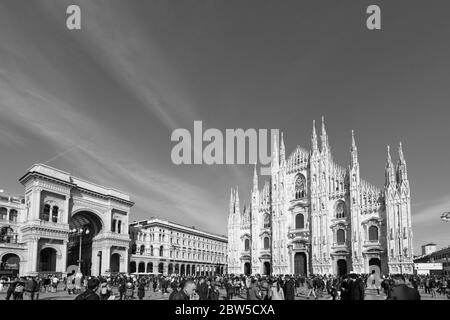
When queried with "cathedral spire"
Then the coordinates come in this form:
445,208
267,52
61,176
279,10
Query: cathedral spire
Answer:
232,208
314,146
354,152
402,174
400,153
389,171
255,179
282,150
275,159
324,137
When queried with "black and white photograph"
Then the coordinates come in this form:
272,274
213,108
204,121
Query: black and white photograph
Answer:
237,152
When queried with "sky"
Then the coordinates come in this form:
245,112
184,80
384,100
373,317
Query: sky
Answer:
102,102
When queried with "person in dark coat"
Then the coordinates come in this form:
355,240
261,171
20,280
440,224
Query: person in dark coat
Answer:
90,294
203,289
290,289
11,288
400,291
187,292
141,289
356,287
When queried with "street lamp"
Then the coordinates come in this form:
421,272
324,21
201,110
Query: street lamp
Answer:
79,233
445,216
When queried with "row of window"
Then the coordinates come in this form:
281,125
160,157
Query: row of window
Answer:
13,214
340,237
203,256
7,235
116,226
162,238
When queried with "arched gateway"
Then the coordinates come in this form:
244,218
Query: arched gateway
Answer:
60,208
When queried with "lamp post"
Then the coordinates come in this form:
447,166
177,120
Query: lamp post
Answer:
79,233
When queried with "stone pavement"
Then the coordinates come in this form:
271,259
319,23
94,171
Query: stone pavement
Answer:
150,295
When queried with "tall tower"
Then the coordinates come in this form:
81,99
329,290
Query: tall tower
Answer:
315,195
398,216
233,232
355,208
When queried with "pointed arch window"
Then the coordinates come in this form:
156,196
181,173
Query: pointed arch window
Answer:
340,236
266,221
246,244
300,187
299,221
340,210
266,243
373,233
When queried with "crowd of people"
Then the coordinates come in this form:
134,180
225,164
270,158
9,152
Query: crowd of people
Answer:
228,287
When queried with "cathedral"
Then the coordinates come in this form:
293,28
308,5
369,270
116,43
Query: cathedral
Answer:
317,217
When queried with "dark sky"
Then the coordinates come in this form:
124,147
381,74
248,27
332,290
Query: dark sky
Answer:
102,102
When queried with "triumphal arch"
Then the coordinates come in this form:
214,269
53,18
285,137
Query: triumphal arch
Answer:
65,218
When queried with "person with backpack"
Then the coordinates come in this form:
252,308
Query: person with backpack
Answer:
105,291
90,292
18,290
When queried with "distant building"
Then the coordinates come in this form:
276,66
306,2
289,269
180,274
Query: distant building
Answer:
440,256
163,247
428,248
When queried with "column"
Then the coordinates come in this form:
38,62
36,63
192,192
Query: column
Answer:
65,215
62,259
36,204
106,256
33,255
95,258
7,214
124,262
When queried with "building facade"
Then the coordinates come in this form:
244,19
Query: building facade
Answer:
37,230
163,247
315,216
433,256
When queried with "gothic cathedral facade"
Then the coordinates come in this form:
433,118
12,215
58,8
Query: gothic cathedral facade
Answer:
316,217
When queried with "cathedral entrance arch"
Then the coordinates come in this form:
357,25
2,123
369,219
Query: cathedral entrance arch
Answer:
375,264
266,270
82,220
300,263
342,267
247,268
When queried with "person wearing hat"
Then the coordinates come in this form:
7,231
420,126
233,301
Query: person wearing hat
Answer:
90,294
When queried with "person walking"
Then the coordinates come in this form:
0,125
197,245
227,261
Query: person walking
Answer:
90,292
400,291
254,293
141,289
276,291
11,288
290,289
310,286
